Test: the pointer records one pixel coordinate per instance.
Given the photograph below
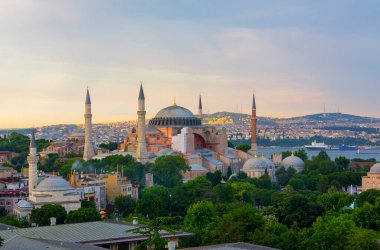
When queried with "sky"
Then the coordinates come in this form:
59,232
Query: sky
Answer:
295,55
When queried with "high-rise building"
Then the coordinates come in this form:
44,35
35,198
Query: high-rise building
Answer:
141,151
88,152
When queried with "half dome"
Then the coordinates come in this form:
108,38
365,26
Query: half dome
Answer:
375,169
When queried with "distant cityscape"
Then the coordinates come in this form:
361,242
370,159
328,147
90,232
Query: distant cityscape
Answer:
333,127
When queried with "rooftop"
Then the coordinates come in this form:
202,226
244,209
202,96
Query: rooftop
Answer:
232,246
98,232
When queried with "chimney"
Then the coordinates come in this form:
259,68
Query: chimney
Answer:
73,178
135,221
53,221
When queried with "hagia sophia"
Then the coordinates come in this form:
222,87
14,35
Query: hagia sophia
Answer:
175,130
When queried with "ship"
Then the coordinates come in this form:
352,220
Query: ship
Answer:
319,146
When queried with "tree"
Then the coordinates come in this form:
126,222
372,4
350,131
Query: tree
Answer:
199,215
243,147
331,232
199,189
42,215
151,230
243,191
13,221
154,202
83,214
224,193
297,208
234,226
367,216
167,170
323,156
342,162
215,177
335,200
111,146
369,196
284,175
88,203
270,235
126,205
302,154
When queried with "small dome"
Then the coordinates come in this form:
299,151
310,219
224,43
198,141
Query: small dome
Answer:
258,164
54,183
293,162
375,169
174,112
24,204
152,130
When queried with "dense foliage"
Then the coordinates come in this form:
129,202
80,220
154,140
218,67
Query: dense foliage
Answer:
13,221
125,205
83,214
109,146
302,210
42,215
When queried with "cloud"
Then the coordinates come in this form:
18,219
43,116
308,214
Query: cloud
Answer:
50,52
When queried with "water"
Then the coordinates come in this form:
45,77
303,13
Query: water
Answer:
364,154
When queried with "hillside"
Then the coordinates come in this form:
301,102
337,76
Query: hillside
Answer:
315,119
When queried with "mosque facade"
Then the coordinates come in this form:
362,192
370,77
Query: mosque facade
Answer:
51,190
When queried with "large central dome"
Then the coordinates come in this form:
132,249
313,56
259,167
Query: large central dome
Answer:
175,116
174,112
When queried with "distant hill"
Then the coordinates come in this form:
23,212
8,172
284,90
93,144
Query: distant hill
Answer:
323,119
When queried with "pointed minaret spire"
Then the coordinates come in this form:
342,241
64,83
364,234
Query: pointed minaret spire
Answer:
141,94
33,140
200,111
253,101
88,151
88,99
141,151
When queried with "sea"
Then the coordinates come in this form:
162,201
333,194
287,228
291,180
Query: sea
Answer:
363,154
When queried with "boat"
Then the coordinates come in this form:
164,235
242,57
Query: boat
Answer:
319,146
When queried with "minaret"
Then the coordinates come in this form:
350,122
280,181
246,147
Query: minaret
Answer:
88,152
32,161
200,113
253,127
141,152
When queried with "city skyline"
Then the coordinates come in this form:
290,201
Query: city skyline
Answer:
296,57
